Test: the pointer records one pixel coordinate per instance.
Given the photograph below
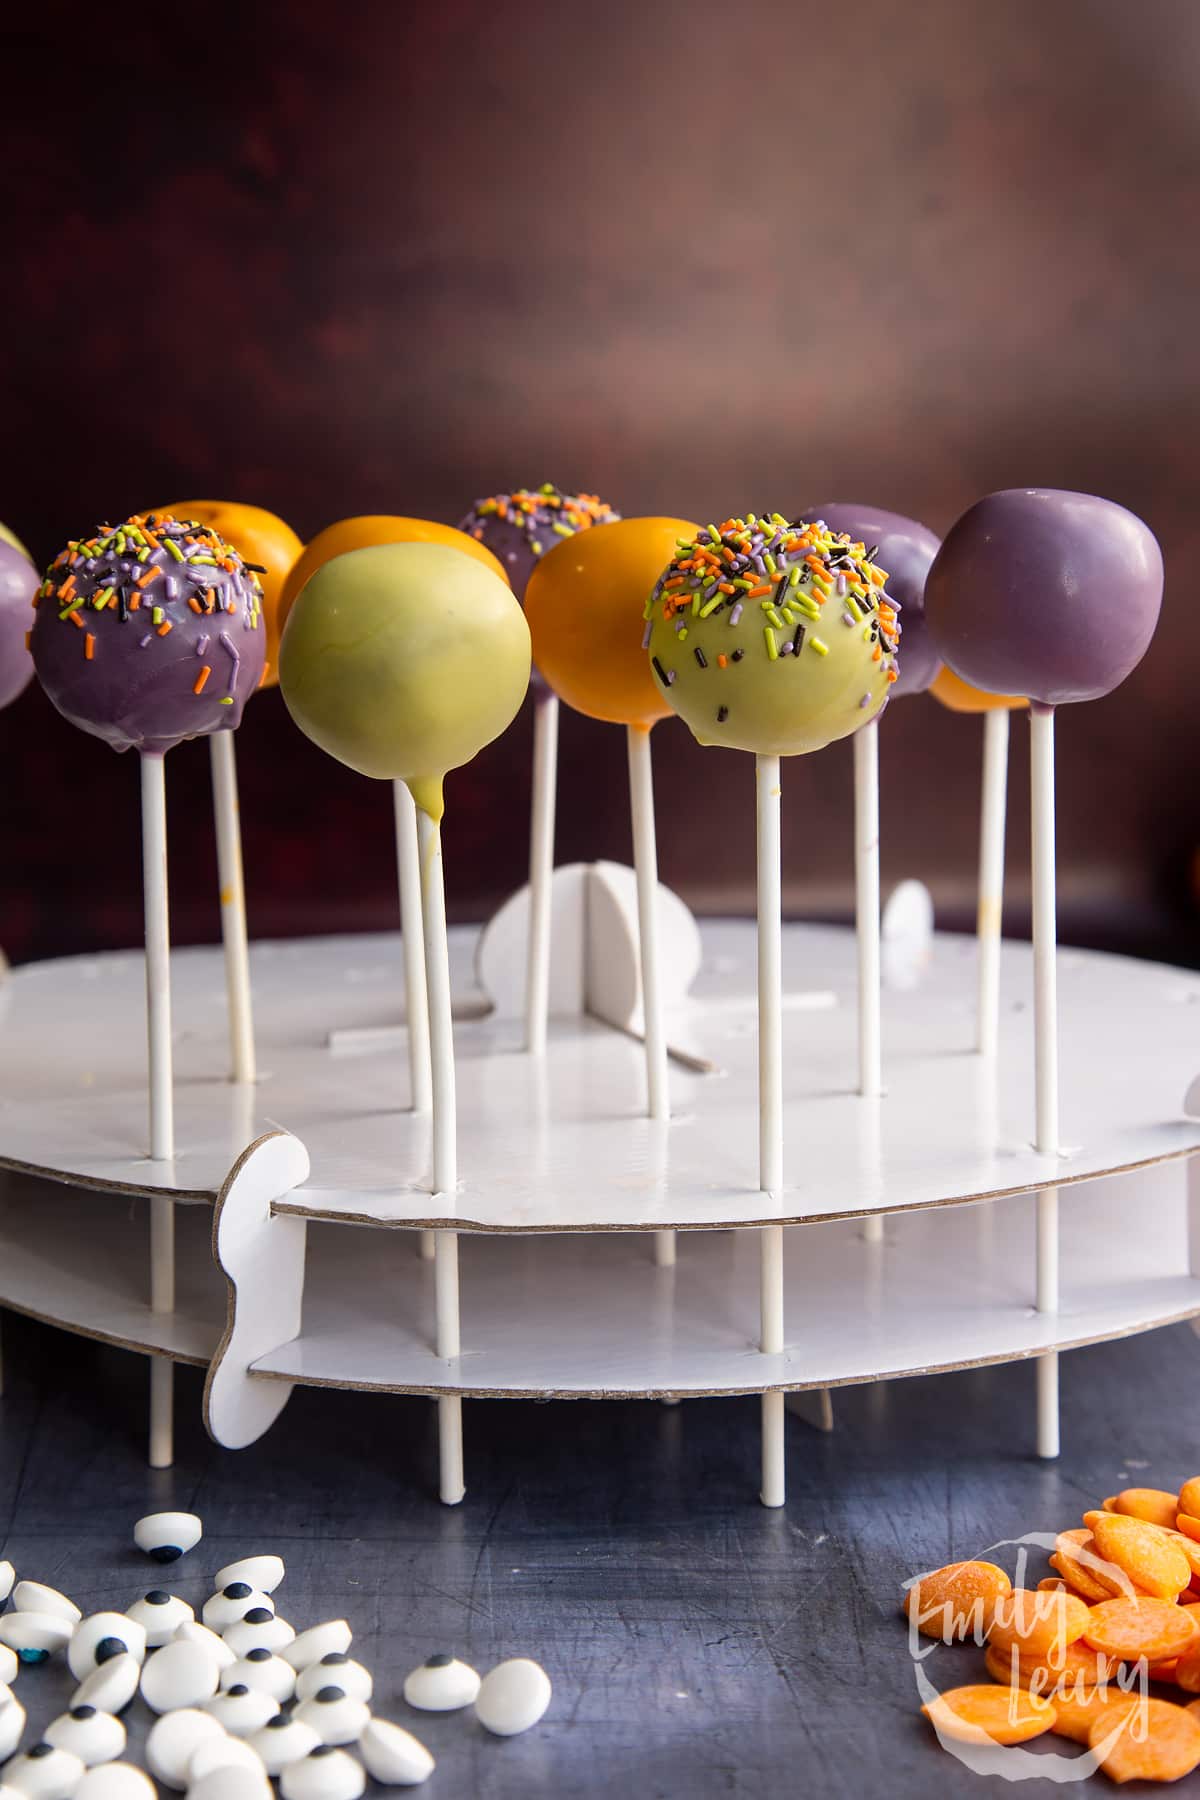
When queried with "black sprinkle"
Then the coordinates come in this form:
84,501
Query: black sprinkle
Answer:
798,640
738,655
256,568
700,657
872,553
722,714
659,670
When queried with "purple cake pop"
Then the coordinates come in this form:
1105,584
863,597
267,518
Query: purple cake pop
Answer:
18,584
519,528
905,548
1045,593
149,633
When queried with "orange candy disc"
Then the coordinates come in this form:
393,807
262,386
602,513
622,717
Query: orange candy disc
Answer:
1128,1629
1189,1498
1039,1624
989,1715
1144,1552
957,1602
1152,1504
1154,1740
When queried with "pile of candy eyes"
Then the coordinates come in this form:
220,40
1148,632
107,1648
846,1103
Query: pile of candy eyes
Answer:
1078,1654
239,1696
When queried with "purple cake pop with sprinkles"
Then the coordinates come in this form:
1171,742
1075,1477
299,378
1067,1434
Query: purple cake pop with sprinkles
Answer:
150,632
905,548
18,584
1045,593
520,527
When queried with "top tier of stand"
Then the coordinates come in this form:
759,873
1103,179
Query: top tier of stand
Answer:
561,1145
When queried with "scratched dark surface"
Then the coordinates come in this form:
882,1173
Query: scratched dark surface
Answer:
699,1646
387,257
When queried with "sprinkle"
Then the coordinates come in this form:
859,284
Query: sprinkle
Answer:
738,655
735,613
156,616
646,637
201,678
865,701
164,628
798,641
722,662
227,701
820,646
659,670
700,657
173,547
89,646
148,639
722,714
769,639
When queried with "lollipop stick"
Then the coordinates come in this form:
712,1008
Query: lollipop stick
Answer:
233,906
1045,1010
541,870
162,1129
770,1108
991,875
866,904
445,1144
645,863
408,860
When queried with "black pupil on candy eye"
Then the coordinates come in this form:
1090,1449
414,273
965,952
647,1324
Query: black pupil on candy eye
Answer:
278,1722
42,1750
322,1750
237,1590
109,1647
83,1712
238,1689
167,1553
327,1695
258,1615
257,1656
440,1661
156,1597
335,1656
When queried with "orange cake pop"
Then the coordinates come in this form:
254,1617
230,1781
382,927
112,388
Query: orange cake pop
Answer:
265,543
957,695
365,529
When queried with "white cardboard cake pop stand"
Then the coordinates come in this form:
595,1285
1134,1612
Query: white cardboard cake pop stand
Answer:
321,1177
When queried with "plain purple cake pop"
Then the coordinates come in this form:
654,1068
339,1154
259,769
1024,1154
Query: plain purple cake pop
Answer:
520,527
905,548
149,633
18,584
1045,593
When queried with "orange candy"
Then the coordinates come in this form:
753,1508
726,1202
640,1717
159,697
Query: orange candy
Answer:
1189,1526
1075,1713
1146,1740
1039,1624
1086,1571
1187,1669
1074,1669
1189,1497
1152,1504
957,1602
259,537
957,695
1128,1629
989,1715
584,605
377,528
1144,1551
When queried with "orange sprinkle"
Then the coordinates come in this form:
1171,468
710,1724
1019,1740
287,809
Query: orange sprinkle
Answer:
194,604
148,577
134,602
893,674
876,654
89,646
201,678
164,628
76,618
722,662
758,592
726,587
67,588
210,599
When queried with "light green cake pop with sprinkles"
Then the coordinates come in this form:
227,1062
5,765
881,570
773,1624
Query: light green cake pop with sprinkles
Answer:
772,637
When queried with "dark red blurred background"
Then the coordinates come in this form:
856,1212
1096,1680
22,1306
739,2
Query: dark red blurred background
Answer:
695,256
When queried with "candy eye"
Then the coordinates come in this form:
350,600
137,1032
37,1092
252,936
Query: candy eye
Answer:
513,1697
261,1671
167,1536
231,1603
32,1596
283,1741
111,1686
34,1636
172,1741
319,1641
242,1710
44,1773
259,1629
179,1675
262,1572
324,1774
394,1756
333,1715
441,1684
161,1614
349,1676
12,1723
101,1638
93,1736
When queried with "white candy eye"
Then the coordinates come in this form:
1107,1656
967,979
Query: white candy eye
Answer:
442,1684
112,1686
324,1774
513,1696
115,1781
242,1710
223,1752
265,1672
44,1773
233,1602
7,1576
8,1665
93,1736
333,1715
231,1782
35,1635
172,1740
160,1614
167,1536
192,1633
394,1756
180,1674
319,1641
339,1670
283,1741
98,1639
32,1596
262,1572
12,1724
258,1629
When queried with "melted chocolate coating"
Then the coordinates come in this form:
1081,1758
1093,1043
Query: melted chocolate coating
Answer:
1045,593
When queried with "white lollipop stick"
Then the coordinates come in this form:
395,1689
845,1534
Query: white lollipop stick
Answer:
445,1144
867,926
770,1107
541,869
645,864
990,909
233,906
1045,1014
162,1125
408,862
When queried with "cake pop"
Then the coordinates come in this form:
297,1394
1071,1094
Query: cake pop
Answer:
584,603
778,638
269,548
149,632
905,548
1053,595
403,661
519,528
19,582
145,634
367,529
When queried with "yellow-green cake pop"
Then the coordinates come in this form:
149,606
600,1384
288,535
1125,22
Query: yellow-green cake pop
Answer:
772,637
403,661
